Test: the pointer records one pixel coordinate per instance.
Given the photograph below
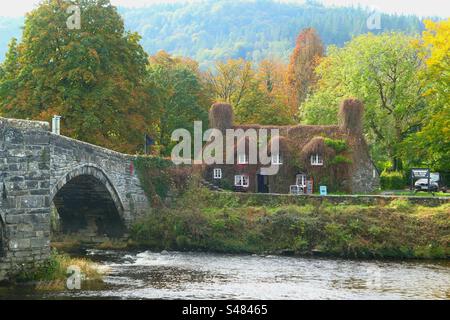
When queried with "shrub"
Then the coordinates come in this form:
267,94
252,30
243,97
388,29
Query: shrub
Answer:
338,145
392,180
159,177
339,159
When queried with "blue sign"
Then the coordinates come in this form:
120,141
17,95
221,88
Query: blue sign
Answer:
323,190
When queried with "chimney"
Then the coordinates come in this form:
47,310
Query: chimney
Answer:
221,116
56,125
351,113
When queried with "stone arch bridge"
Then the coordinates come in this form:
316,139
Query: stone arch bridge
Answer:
94,191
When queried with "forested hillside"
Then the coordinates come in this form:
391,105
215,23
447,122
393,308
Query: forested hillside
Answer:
218,30
221,29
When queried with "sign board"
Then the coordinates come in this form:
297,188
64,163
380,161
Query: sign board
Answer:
323,190
435,176
420,173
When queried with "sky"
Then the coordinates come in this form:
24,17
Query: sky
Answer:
421,8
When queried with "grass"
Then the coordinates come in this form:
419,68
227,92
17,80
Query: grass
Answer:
417,194
53,274
73,242
205,221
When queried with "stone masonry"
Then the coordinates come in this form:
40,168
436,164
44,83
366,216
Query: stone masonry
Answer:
34,166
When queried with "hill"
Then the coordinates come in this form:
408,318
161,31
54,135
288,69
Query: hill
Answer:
219,29
216,30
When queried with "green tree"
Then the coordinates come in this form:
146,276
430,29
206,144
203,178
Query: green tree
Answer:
383,71
180,96
93,77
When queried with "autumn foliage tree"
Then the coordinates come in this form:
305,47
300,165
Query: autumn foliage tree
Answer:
93,76
430,145
257,94
300,75
230,81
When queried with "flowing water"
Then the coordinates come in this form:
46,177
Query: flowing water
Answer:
176,275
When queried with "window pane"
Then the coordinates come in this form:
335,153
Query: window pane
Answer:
217,173
245,181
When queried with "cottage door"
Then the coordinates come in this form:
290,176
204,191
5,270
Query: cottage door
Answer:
263,183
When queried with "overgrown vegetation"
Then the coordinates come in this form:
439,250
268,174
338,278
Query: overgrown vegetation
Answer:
159,177
207,221
53,274
339,145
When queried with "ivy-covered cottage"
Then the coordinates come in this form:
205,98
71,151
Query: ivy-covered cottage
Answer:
310,156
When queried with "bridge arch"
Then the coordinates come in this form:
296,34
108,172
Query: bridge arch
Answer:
88,203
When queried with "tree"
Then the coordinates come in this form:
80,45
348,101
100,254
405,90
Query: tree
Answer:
267,100
430,145
93,77
257,96
383,71
180,95
305,58
231,81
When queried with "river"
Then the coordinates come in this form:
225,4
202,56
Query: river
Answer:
176,275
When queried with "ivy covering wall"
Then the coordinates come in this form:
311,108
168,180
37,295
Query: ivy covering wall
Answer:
160,178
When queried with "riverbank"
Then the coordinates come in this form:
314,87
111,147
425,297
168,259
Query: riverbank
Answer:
214,222
53,275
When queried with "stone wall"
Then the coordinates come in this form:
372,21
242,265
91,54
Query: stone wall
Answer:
258,199
25,194
364,175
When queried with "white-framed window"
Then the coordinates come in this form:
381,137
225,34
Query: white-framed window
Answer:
277,159
217,173
242,158
300,180
241,181
316,160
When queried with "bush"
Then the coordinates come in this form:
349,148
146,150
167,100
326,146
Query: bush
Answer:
392,180
337,145
339,159
159,177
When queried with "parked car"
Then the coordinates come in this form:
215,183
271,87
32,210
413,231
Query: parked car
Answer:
422,185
